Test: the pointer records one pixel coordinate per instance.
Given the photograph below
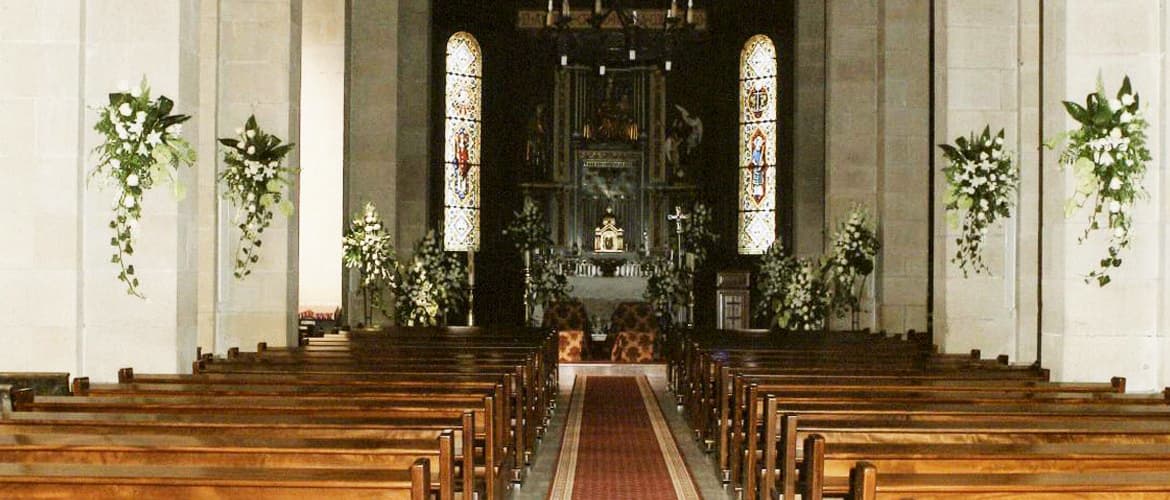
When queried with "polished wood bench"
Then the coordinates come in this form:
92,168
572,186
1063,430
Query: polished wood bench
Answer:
106,481
867,484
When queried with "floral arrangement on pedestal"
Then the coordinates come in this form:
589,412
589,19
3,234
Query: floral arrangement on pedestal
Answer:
1108,156
142,148
368,248
433,285
256,184
981,180
793,291
670,282
850,262
546,281
667,284
697,237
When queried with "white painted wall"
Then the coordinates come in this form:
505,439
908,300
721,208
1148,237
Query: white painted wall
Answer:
322,145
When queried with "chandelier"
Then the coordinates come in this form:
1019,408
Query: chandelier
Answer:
613,35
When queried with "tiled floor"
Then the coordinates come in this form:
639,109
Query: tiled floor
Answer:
700,464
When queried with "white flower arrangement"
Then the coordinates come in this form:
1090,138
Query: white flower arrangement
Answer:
433,285
981,180
696,232
855,247
1108,156
529,232
793,290
667,283
368,248
142,147
256,183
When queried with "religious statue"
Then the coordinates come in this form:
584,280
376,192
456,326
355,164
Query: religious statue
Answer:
608,237
681,144
613,121
536,148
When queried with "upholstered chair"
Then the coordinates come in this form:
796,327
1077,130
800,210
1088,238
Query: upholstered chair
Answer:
572,325
637,330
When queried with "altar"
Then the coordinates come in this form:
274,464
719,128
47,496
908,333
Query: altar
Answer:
602,294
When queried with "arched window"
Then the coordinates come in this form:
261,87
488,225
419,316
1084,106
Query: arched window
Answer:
757,145
461,156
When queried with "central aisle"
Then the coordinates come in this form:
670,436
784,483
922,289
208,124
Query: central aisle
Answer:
617,445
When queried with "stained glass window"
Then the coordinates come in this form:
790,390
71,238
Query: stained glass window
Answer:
461,156
757,145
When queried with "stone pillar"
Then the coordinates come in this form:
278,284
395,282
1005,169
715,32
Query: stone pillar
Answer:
903,188
371,112
259,73
124,41
1093,333
45,162
877,111
979,80
852,118
809,156
387,115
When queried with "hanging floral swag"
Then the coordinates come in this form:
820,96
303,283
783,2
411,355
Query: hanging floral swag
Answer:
433,285
1108,156
142,147
981,180
368,248
547,281
256,184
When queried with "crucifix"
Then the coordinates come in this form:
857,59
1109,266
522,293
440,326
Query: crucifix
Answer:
678,217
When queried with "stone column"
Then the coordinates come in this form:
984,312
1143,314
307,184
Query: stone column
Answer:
978,77
809,156
122,42
259,73
387,116
1093,333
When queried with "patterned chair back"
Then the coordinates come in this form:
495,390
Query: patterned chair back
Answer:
634,317
636,328
571,322
568,315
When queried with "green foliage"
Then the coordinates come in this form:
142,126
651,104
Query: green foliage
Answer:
667,284
851,260
793,291
142,147
432,285
256,184
981,180
529,232
1108,155
368,248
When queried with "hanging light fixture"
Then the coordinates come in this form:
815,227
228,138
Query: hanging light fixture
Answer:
611,34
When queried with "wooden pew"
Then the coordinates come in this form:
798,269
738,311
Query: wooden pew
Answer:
867,484
106,481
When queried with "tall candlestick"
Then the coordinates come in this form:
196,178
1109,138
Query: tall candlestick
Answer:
550,19
690,11
673,12
565,8
597,7
471,288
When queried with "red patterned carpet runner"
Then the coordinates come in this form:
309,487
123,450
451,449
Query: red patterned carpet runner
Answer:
617,445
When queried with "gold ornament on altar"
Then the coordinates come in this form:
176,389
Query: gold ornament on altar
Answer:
608,237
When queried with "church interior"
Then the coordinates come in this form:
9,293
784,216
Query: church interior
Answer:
593,249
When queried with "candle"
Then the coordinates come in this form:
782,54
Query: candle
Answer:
673,12
597,6
565,8
690,11
550,19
